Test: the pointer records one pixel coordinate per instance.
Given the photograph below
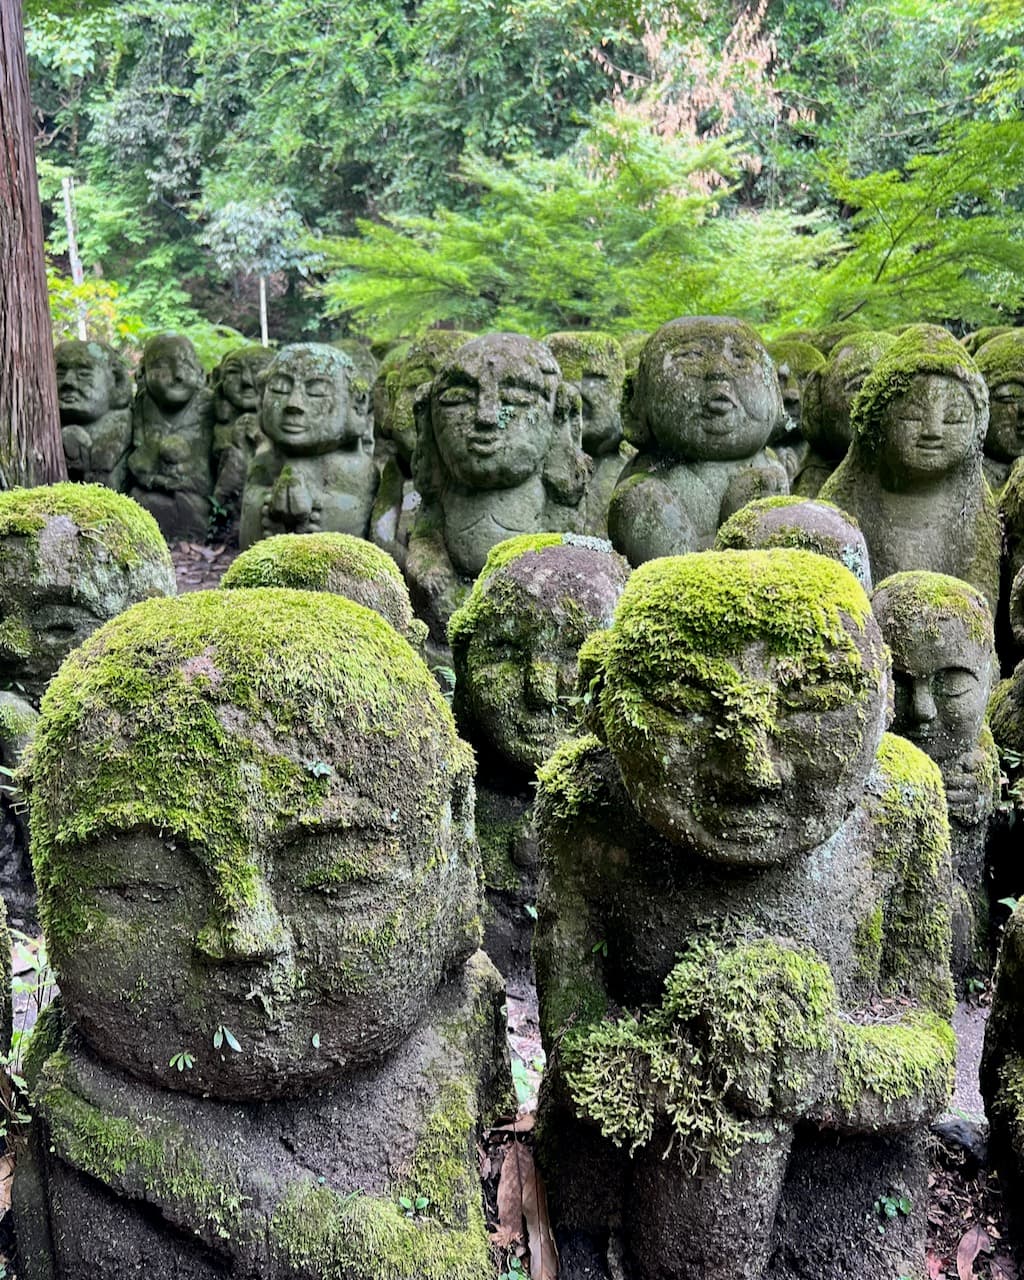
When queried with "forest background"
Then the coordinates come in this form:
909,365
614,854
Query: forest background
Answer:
388,165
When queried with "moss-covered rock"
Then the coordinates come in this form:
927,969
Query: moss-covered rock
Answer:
799,524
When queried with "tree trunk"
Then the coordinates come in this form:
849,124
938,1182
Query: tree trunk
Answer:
31,451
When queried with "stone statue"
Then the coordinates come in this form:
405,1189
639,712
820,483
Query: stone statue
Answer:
973,342
335,562
800,524
73,555
314,472
94,392
252,821
913,476
237,391
1001,361
743,940
795,361
828,396
595,363
514,650
1002,1070
940,632
498,454
704,403
169,467
402,378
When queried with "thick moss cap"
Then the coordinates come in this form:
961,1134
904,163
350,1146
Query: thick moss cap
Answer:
204,716
921,349
110,520
1001,359
580,351
799,357
917,602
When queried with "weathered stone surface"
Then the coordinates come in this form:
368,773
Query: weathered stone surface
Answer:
704,402
498,454
94,392
170,468
237,389
401,378
743,939
1002,1069
913,476
1001,361
314,472
801,524
940,632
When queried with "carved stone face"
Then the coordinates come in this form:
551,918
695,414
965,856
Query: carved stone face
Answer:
751,751
708,390
492,408
595,363
239,379
1005,438
306,399
518,670
930,429
309,898
85,381
172,371
843,376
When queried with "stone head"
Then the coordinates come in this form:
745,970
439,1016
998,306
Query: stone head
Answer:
236,380
705,390
306,406
806,524
335,562
829,391
794,363
595,363
364,374
170,371
743,695
92,379
71,557
404,377
251,814
922,413
973,342
943,659
1001,361
516,640
490,418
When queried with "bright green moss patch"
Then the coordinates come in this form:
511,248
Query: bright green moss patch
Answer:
309,562
800,358
1001,359
465,619
566,787
895,1063
127,532
918,602
15,638
1009,1101
583,351
16,721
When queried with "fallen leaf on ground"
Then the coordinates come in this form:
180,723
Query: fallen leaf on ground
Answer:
934,1265
543,1254
6,1178
523,1124
972,1243
510,1190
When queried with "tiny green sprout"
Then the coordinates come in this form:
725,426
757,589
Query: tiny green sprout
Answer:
316,1039
891,1206
183,1060
1009,902
224,1034
600,948
319,768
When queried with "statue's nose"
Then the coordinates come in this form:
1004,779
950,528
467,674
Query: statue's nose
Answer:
251,932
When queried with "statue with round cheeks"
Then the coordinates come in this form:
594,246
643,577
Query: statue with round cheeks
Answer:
795,361
743,696
516,640
170,372
402,380
73,557
236,381
1001,361
93,392
800,524
305,408
251,813
595,363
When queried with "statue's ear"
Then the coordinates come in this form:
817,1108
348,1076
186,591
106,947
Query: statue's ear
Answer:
590,680
427,472
567,469
634,420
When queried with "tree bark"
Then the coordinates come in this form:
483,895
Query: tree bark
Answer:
31,451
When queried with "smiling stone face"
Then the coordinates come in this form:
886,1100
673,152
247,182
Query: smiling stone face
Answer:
306,400
91,380
1001,362
930,429
743,695
708,390
172,371
492,407
276,846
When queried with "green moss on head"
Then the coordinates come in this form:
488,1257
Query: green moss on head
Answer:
800,358
813,525
113,521
1001,359
198,717
465,619
917,602
921,349
581,351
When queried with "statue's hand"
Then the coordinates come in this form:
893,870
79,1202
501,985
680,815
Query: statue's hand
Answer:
968,784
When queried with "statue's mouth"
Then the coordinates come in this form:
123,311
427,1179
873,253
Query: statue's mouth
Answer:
483,443
719,405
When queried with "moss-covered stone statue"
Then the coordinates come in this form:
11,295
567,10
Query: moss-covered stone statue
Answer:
498,454
940,632
402,378
801,524
595,362
704,402
253,828
335,562
515,644
94,392
973,342
795,361
828,396
170,469
1002,1070
913,477
237,389
71,557
314,471
743,940
1001,361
